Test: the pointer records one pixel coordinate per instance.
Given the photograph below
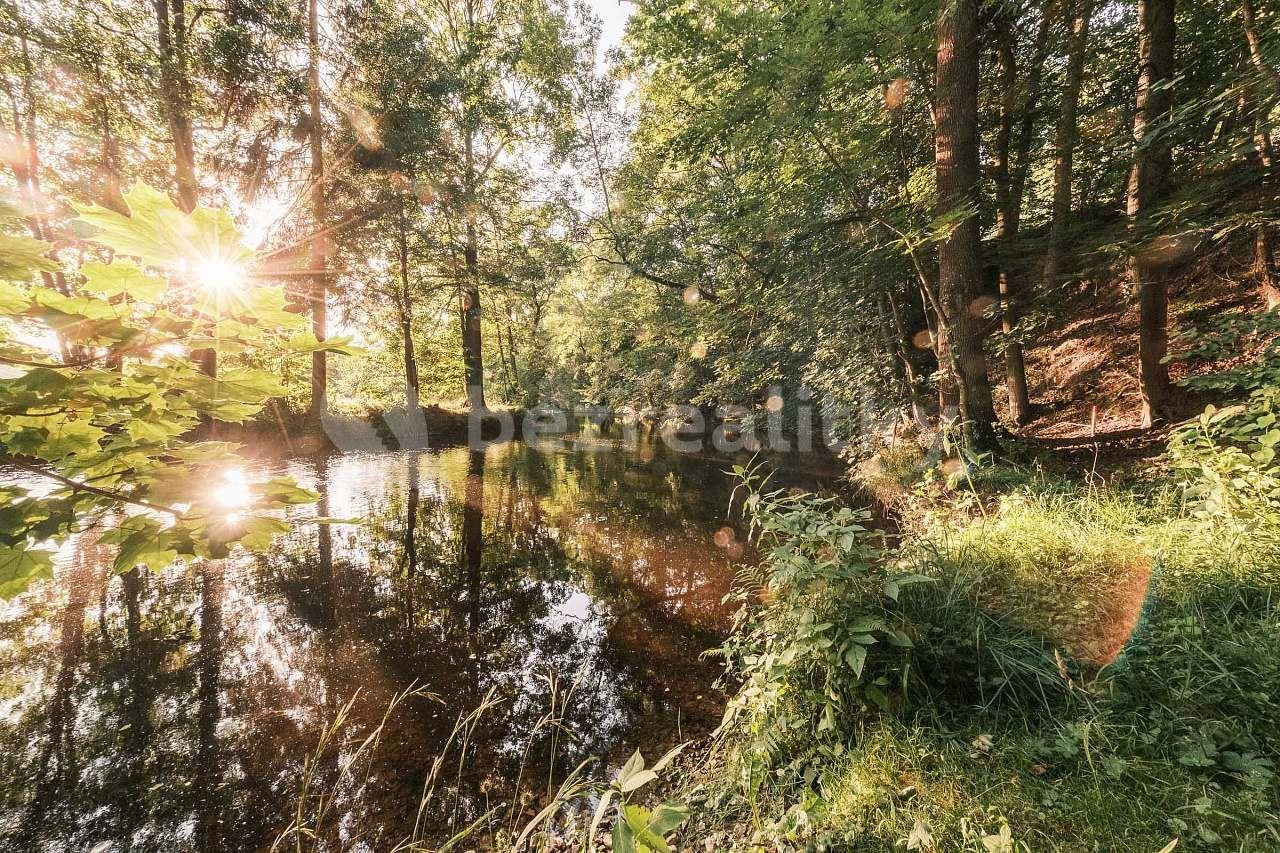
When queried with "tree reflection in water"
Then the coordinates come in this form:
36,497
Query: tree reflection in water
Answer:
185,720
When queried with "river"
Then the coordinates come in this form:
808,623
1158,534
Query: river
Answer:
573,585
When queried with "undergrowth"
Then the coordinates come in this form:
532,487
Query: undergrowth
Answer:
1072,666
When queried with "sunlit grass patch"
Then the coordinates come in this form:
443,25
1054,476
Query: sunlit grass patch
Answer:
964,790
1063,568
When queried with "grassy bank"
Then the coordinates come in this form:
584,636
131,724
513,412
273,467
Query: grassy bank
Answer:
1042,662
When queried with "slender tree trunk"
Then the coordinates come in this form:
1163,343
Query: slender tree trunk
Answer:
1064,145
412,388
175,97
1268,72
111,196
1007,215
959,264
319,245
1148,186
1264,240
171,23
469,308
1011,178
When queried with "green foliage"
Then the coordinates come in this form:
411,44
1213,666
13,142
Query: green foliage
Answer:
819,639
1099,663
110,420
637,829
1227,459
1228,337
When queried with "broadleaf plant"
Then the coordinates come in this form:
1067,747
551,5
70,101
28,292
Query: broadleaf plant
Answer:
102,392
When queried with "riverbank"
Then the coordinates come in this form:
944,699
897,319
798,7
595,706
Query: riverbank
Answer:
1043,662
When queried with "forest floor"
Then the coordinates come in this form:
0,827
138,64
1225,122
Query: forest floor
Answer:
1084,354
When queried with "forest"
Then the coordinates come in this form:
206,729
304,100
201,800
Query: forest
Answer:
669,425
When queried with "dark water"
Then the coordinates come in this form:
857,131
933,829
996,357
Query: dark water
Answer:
185,710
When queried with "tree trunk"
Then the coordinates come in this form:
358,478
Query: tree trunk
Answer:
319,243
411,386
1064,145
175,97
1260,65
1011,177
959,265
1264,242
1007,215
1148,186
469,308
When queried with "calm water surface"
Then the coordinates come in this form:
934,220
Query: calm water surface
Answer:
178,710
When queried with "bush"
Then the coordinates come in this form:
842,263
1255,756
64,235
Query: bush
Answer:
819,638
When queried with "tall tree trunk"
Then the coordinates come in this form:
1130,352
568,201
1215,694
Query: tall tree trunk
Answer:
319,244
1250,20
469,308
175,91
411,387
175,97
959,265
1064,145
1011,178
1148,186
1264,241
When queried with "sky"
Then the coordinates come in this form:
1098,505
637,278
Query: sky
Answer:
613,15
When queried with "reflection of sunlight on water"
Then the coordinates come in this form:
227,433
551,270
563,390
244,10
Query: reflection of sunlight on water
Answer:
234,491
573,577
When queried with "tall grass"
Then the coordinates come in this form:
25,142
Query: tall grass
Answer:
1093,668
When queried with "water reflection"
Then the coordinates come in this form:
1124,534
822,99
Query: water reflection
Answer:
177,710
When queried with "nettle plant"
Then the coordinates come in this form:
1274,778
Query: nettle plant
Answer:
102,389
818,637
1229,459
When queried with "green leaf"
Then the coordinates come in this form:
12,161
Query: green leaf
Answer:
122,277
670,756
638,780
286,491
261,531
637,819
20,567
865,624
624,840
12,299
22,257
856,657
596,819
633,765
667,817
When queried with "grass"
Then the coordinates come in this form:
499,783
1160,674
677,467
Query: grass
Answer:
1095,668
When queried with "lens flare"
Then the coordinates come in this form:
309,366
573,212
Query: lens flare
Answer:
233,492
220,276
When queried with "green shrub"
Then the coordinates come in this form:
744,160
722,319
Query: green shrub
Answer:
819,637
1226,459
